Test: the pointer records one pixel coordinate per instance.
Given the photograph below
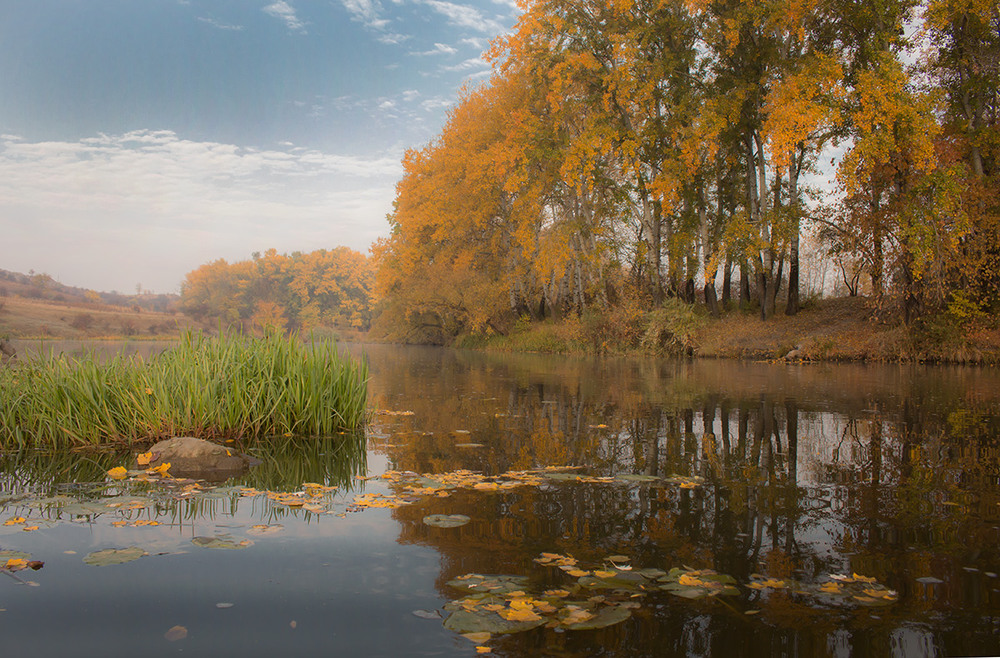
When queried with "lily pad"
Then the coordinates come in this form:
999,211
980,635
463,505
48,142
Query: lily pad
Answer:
446,520
111,556
13,555
628,477
466,621
606,616
489,583
221,543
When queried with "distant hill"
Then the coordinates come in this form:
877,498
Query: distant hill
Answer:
36,305
43,287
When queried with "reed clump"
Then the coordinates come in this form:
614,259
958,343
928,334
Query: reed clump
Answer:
225,387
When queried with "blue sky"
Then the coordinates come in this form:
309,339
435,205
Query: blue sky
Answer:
142,138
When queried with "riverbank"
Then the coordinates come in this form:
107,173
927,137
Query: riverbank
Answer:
838,329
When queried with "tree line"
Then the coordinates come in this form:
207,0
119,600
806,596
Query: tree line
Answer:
323,288
629,151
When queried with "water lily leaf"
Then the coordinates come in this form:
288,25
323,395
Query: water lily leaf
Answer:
111,556
13,555
221,543
465,621
446,520
490,584
688,592
629,477
606,616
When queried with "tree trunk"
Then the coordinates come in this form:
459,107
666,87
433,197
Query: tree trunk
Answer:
793,249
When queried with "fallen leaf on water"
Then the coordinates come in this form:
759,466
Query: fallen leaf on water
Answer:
143,459
29,528
112,556
446,520
176,633
265,529
14,520
118,473
221,543
482,649
15,564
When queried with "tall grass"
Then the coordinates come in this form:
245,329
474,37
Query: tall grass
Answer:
226,387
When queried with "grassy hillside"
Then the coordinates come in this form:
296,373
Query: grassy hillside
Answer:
21,317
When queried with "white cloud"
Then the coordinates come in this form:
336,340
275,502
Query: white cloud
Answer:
219,25
436,103
410,95
474,42
107,211
465,16
438,49
286,12
369,14
469,64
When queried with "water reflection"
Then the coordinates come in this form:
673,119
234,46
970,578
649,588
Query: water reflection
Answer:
892,472
888,471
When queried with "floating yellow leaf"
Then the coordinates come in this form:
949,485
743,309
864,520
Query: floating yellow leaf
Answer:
858,578
14,520
29,528
118,472
176,633
483,650
144,458
605,574
15,563
162,468
578,573
520,614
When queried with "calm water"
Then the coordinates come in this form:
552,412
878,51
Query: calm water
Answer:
763,472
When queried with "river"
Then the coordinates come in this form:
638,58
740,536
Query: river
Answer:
684,508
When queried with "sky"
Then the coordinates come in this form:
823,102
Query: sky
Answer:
140,139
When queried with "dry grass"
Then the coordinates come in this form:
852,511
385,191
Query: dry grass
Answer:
35,318
839,329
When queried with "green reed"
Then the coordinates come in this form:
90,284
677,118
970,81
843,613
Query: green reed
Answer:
226,387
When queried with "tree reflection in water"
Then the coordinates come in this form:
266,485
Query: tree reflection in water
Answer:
891,472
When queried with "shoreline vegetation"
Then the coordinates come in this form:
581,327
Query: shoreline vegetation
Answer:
834,329
825,329
225,387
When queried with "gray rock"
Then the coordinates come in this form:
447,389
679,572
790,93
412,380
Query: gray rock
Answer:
196,458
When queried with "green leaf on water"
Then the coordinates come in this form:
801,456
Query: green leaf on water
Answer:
629,477
110,556
221,543
466,621
446,520
606,616
13,555
490,584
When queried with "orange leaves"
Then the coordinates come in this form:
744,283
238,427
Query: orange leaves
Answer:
118,473
143,459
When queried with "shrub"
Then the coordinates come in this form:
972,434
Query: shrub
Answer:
671,328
